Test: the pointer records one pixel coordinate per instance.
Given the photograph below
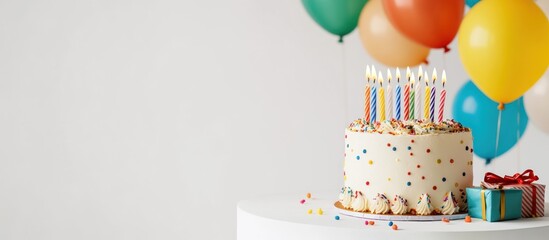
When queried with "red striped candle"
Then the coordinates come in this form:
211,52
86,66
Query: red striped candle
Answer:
442,98
407,101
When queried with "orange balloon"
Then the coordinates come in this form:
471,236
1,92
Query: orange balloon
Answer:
385,43
432,23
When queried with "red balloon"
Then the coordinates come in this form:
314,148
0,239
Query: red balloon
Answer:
432,23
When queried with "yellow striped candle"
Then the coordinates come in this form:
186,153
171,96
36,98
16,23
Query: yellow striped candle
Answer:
381,99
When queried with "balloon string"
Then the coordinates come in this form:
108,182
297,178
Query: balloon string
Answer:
344,76
444,59
497,132
518,136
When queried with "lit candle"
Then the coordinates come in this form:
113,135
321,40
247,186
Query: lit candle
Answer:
389,96
426,102
412,97
407,96
373,97
433,95
397,99
381,98
367,95
442,98
418,94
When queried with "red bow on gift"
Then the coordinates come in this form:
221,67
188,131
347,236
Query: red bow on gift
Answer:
526,177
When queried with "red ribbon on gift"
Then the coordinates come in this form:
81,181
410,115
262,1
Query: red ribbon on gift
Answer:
526,177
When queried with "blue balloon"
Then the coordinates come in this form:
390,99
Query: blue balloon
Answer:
471,3
475,110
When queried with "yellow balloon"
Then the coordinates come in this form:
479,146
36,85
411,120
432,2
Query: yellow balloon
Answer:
504,47
384,42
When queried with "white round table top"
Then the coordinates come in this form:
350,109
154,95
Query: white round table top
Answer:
284,217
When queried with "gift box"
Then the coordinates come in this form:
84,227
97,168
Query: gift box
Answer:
494,204
533,194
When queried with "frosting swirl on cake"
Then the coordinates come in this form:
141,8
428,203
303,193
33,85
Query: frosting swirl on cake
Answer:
409,127
360,204
449,205
347,198
399,205
380,204
424,205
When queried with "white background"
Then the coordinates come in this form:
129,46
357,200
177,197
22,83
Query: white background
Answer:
151,119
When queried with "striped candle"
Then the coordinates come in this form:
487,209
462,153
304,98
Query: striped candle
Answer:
441,105
442,98
373,98
418,97
432,98
407,101
397,100
373,103
381,99
389,96
407,95
412,97
367,103
367,96
426,102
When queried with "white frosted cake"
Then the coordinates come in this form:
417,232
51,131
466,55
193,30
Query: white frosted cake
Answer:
407,167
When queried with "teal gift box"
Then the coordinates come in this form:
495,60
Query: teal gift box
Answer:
494,204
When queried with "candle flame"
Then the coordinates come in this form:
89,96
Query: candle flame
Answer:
412,80
434,75
398,74
389,76
408,73
426,81
368,73
420,73
380,79
374,74
443,77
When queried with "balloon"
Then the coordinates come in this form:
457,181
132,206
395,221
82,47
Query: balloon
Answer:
432,23
384,42
536,101
335,16
471,3
504,47
544,6
476,111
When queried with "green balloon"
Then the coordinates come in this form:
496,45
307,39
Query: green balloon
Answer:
338,17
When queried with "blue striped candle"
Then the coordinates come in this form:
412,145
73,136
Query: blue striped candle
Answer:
373,105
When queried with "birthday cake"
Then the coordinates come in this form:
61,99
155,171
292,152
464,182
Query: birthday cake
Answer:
410,166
